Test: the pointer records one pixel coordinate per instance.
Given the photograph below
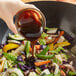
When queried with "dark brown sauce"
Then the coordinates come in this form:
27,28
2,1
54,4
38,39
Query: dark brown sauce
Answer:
29,25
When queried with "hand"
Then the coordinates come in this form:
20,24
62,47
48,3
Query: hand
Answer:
8,9
69,1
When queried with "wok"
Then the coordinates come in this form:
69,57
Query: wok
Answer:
58,14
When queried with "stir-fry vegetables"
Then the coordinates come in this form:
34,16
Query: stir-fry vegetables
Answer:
51,58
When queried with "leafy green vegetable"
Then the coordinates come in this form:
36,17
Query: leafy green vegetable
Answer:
42,41
44,51
0,50
50,74
57,50
71,73
43,35
27,48
45,56
10,56
55,60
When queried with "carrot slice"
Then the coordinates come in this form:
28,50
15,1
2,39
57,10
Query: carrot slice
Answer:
37,47
62,73
61,34
30,49
42,63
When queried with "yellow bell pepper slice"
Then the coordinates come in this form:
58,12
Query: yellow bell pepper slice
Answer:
62,44
10,46
51,47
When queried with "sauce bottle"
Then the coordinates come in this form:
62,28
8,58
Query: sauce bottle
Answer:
30,23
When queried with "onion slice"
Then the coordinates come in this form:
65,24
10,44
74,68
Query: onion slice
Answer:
14,70
70,67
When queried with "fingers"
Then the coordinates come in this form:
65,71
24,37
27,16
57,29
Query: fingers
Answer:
21,5
24,5
31,6
11,26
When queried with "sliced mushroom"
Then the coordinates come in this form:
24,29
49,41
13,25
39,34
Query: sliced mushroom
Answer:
70,67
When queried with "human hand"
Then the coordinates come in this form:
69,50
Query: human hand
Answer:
8,9
69,1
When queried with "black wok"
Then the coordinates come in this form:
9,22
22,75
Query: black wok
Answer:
58,14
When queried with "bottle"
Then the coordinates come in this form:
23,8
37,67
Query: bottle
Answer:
30,23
